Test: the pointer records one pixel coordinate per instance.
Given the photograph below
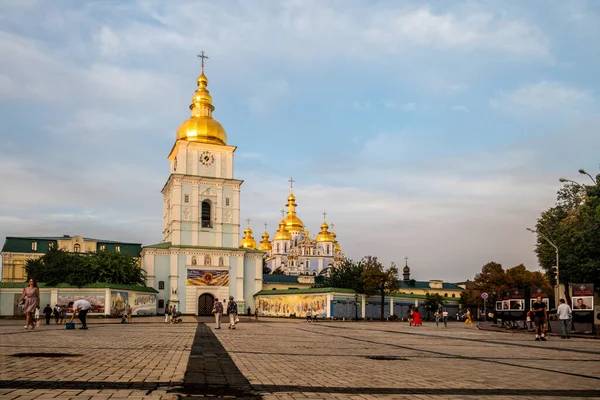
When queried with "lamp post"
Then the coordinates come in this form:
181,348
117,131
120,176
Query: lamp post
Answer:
356,306
551,243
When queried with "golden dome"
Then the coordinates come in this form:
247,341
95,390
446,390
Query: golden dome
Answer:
292,222
265,245
282,233
336,245
324,235
201,127
248,241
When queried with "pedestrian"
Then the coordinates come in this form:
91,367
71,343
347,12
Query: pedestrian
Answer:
232,311
308,315
249,311
31,296
437,316
218,311
529,321
56,313
411,314
63,315
47,313
129,312
80,307
445,317
37,317
565,314
468,318
167,313
541,316
256,314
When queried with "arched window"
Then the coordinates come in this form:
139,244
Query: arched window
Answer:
285,247
77,248
206,214
327,249
161,304
445,294
278,247
194,261
161,285
221,263
207,260
453,294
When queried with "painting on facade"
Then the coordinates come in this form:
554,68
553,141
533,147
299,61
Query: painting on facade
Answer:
97,302
118,302
298,305
142,303
200,277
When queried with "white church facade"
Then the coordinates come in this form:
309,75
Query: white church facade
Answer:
199,258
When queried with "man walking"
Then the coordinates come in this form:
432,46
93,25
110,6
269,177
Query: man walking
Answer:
218,313
232,311
564,313
445,317
541,317
82,307
47,313
56,313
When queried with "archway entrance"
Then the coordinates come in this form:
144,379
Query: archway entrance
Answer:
205,304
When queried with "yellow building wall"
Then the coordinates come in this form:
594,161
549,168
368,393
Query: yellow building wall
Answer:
13,266
285,286
441,292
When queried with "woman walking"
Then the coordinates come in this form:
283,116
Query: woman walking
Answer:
468,320
31,295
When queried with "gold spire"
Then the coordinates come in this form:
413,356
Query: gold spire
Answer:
324,235
336,245
282,233
248,241
265,245
201,127
292,222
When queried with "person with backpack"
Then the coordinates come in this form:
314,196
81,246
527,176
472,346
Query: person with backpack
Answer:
232,311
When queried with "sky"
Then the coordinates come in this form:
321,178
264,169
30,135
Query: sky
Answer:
434,130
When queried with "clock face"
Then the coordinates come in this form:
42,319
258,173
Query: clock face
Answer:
206,158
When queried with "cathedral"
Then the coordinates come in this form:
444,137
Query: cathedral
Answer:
292,251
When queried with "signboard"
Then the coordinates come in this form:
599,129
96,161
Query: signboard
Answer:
582,295
484,295
513,300
541,292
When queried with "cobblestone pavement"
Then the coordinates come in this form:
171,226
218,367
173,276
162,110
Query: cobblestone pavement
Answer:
336,360
290,359
139,360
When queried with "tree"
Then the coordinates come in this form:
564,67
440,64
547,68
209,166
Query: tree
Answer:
433,302
266,270
278,271
79,269
348,274
377,280
573,225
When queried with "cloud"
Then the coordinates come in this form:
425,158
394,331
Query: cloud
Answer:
460,108
361,106
543,98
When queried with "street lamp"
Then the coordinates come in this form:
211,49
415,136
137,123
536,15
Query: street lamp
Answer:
583,172
565,180
356,306
551,243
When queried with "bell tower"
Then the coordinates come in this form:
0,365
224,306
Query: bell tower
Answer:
201,196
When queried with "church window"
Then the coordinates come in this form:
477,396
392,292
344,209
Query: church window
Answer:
186,198
445,294
161,303
34,246
102,247
207,260
161,285
77,248
227,201
194,262
453,294
118,249
221,263
206,214
285,247
278,247
327,249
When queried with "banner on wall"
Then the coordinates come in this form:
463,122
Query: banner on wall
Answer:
97,302
286,305
582,295
118,302
142,303
511,300
544,293
201,277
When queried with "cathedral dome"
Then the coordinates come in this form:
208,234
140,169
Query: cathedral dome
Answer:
406,269
201,126
292,222
265,245
282,233
248,241
324,235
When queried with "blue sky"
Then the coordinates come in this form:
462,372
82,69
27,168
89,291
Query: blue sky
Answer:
433,130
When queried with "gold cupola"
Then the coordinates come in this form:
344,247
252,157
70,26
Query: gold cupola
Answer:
282,233
292,222
336,245
324,235
248,241
201,126
264,244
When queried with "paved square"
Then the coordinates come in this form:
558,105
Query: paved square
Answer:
291,359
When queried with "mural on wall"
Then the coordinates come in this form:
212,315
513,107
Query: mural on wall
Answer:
284,306
200,277
142,303
96,301
118,302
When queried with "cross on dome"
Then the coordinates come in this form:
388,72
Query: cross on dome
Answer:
291,181
406,259
203,57
324,214
282,213
248,221
265,226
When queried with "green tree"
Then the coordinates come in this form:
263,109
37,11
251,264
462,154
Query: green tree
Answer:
266,270
278,271
433,302
378,280
573,225
348,274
